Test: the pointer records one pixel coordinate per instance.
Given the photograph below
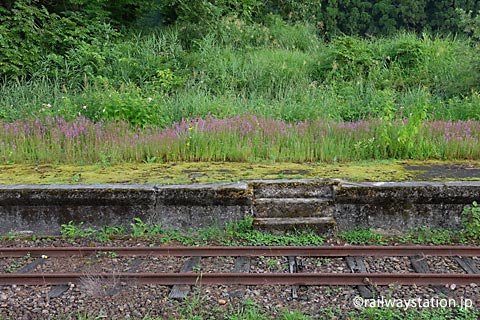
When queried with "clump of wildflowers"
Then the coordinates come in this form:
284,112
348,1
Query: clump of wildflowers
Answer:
240,138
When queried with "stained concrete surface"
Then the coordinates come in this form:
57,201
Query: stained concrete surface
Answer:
382,205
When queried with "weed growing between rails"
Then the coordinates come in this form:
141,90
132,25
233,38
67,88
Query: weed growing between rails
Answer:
243,138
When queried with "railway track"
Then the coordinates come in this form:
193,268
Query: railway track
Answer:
353,256
248,251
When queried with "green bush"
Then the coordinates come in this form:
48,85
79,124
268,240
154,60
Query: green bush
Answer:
347,58
470,24
471,222
141,60
24,32
442,66
128,104
31,31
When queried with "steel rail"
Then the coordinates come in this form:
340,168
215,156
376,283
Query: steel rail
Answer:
308,279
248,251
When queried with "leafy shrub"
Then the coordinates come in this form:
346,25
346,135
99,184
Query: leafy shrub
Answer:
22,36
196,19
347,58
404,63
128,104
471,222
139,60
470,24
31,31
408,53
362,236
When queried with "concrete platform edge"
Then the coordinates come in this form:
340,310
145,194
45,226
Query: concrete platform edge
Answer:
391,206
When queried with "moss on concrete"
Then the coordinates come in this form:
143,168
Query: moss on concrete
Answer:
205,172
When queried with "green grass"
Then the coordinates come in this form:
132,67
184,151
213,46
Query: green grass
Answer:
413,314
242,232
246,138
293,75
274,71
191,309
234,233
424,235
362,236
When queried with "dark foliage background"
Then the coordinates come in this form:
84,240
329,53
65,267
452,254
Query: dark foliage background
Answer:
33,29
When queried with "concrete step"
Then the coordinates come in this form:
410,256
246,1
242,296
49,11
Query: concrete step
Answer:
301,188
292,207
319,225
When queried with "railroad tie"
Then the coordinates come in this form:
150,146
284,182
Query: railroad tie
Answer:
467,264
242,264
135,264
58,290
180,291
293,268
357,265
132,267
29,268
421,266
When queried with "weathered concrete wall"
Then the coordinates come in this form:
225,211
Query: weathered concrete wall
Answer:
43,209
390,205
201,205
403,205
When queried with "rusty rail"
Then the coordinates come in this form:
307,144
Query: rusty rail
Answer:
191,278
246,278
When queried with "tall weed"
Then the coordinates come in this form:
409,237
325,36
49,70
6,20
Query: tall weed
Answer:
150,79
240,138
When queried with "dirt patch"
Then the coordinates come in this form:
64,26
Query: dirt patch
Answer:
446,171
294,172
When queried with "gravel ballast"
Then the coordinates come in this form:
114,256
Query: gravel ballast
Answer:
112,299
